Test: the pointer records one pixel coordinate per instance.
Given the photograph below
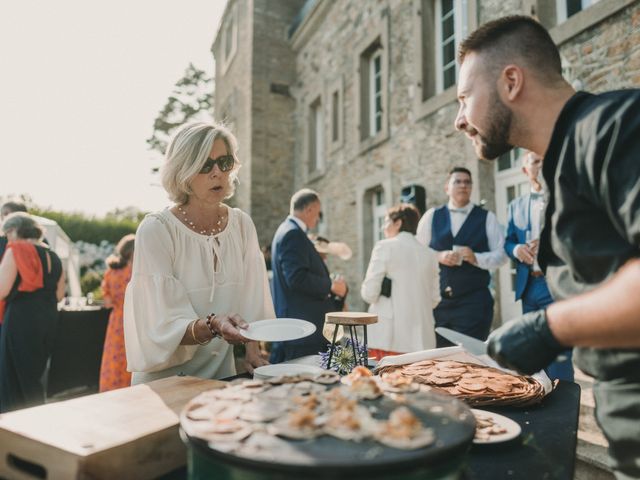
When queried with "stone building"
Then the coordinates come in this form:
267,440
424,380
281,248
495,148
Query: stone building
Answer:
356,99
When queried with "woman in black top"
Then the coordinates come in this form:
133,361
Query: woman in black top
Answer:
31,284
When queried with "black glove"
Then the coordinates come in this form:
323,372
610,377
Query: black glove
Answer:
525,344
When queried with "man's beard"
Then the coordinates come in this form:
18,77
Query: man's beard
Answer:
495,142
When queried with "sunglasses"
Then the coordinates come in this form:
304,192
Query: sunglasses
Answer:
224,162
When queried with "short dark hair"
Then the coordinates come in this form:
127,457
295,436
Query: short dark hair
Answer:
13,207
459,170
302,198
408,214
515,36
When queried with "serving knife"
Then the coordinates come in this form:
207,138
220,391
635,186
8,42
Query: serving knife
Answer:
470,344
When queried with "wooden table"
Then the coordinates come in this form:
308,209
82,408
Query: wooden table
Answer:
126,433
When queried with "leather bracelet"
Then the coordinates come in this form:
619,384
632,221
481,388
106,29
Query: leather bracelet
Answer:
193,334
209,323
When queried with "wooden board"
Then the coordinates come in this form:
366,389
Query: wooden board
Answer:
126,433
350,318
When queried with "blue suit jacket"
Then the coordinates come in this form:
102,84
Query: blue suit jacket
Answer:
517,234
301,286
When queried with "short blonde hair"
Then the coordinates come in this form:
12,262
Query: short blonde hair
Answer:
24,224
187,153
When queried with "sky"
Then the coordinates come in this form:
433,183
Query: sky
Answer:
81,82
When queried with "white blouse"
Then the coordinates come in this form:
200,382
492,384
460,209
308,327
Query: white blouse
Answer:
174,282
405,320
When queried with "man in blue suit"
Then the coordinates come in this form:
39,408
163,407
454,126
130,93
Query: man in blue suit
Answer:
302,287
526,216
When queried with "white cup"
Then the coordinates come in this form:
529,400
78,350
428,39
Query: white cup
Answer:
457,248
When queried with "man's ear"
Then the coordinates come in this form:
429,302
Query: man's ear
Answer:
512,82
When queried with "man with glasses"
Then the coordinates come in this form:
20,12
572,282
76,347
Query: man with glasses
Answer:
302,287
468,242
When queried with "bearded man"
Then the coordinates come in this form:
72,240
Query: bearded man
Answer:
511,93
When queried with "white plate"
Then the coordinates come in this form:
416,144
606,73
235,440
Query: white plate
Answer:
511,427
278,330
276,370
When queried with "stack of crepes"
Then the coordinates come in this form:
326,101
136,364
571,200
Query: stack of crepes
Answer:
477,385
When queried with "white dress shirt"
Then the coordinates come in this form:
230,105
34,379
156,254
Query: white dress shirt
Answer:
405,320
494,258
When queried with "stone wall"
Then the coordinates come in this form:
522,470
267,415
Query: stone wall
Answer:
601,47
232,102
417,150
273,70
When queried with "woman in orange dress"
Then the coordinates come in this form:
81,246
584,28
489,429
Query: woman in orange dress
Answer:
113,372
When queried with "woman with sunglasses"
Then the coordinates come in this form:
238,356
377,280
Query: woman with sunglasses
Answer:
198,274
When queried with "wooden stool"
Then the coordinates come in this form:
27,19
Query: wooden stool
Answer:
350,320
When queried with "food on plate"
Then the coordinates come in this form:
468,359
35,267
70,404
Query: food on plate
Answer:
365,388
477,385
404,430
297,408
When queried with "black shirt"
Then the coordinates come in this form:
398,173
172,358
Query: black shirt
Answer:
592,220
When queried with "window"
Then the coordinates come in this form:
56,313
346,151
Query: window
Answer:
375,93
335,116
379,210
335,89
372,87
372,96
451,29
510,159
567,8
316,136
440,26
229,37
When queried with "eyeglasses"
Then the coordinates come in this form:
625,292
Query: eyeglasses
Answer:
466,183
224,162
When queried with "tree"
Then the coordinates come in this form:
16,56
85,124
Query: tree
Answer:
191,99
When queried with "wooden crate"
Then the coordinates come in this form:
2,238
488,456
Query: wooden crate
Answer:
122,434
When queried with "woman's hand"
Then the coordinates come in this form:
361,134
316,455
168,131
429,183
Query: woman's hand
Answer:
253,357
229,328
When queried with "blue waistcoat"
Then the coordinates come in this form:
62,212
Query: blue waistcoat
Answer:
458,281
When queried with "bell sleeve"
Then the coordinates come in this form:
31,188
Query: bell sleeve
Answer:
257,304
157,309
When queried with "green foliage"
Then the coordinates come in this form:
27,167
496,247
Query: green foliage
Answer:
78,226
192,95
90,281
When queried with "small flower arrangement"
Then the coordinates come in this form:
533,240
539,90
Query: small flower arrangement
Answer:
342,361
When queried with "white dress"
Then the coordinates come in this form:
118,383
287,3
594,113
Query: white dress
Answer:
173,283
405,320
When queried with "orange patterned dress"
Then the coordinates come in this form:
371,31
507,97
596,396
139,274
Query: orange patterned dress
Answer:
113,372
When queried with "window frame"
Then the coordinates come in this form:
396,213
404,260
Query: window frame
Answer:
375,93
336,87
378,213
316,134
231,22
429,97
377,40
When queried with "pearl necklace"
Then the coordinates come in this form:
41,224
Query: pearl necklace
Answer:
217,228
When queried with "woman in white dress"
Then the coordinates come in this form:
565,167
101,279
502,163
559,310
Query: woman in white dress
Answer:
198,273
405,317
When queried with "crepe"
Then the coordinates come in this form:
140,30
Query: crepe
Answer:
477,385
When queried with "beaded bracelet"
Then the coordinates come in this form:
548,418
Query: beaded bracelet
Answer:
209,323
193,334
